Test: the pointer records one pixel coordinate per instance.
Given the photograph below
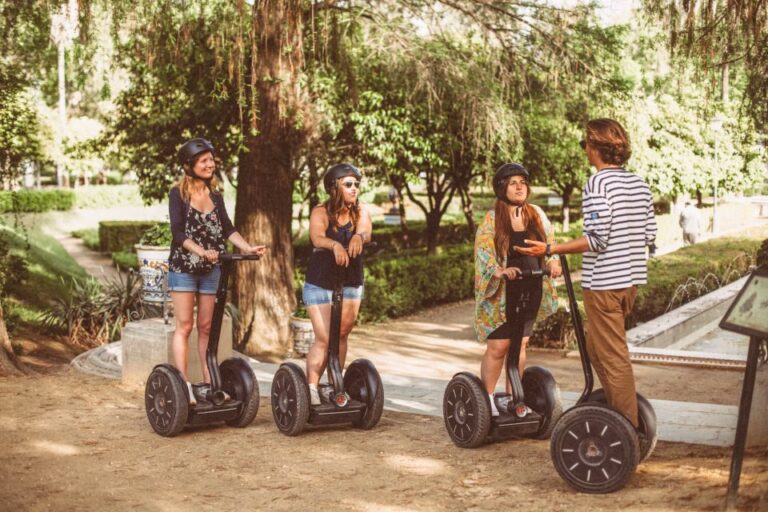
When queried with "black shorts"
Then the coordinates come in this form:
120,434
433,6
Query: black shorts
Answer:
504,332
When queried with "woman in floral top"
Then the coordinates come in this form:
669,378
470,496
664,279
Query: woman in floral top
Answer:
200,227
509,224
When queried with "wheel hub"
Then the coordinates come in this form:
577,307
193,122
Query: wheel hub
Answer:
592,451
160,403
460,413
282,401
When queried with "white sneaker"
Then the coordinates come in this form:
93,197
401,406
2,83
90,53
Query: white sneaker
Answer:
494,409
192,399
314,396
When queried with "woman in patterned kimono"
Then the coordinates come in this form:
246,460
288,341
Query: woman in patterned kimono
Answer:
200,227
511,221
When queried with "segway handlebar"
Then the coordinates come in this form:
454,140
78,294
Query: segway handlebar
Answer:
529,273
238,257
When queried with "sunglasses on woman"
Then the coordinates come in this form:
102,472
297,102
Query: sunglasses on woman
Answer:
350,184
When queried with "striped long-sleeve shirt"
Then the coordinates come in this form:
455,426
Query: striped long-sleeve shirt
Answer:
618,223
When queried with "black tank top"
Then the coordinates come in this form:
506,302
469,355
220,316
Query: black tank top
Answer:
523,262
322,268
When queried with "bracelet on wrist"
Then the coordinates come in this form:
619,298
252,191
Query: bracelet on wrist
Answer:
548,251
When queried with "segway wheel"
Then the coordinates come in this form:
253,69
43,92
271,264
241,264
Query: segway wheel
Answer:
543,396
166,402
595,449
466,412
239,382
646,431
363,383
290,400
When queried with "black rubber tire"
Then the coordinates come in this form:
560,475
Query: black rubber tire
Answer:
290,400
594,449
232,374
166,401
466,412
543,396
356,384
646,432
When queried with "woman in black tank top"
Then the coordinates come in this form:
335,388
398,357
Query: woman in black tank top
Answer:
337,229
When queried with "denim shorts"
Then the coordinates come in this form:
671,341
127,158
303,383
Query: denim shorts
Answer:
315,295
206,284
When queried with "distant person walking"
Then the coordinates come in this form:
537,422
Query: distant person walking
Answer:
690,221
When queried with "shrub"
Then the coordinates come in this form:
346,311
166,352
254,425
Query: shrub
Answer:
390,239
90,237
93,314
108,196
762,255
35,201
121,235
125,260
400,286
158,235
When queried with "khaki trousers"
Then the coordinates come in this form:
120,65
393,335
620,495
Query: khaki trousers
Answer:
607,346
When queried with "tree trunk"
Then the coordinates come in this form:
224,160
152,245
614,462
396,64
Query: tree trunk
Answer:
9,363
433,230
265,294
466,207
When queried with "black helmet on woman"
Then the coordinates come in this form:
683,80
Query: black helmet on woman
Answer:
337,171
190,149
503,173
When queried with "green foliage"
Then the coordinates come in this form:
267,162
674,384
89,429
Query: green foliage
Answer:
13,269
93,314
46,262
404,284
107,196
762,255
121,235
90,238
158,235
125,260
24,201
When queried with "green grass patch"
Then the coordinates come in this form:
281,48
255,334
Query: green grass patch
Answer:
126,260
47,264
90,237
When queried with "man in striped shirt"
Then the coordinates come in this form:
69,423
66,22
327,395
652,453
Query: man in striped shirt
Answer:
618,225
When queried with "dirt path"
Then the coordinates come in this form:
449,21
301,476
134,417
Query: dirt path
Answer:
75,442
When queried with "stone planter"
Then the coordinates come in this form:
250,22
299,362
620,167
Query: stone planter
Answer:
153,268
303,335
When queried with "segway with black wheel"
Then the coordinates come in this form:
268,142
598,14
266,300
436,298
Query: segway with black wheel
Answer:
353,397
232,396
593,447
466,405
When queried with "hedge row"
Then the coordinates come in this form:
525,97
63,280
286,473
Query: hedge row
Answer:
399,286
390,239
35,201
121,235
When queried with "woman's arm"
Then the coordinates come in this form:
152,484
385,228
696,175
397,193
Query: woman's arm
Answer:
362,233
318,225
176,214
488,270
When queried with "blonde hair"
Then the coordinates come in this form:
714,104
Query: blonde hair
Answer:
186,181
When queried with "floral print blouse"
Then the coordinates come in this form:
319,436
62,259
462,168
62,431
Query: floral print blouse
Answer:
490,292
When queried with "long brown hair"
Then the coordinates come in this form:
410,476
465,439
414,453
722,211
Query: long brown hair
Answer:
335,204
503,225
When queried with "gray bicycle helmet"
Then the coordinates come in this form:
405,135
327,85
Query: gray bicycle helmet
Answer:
190,149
